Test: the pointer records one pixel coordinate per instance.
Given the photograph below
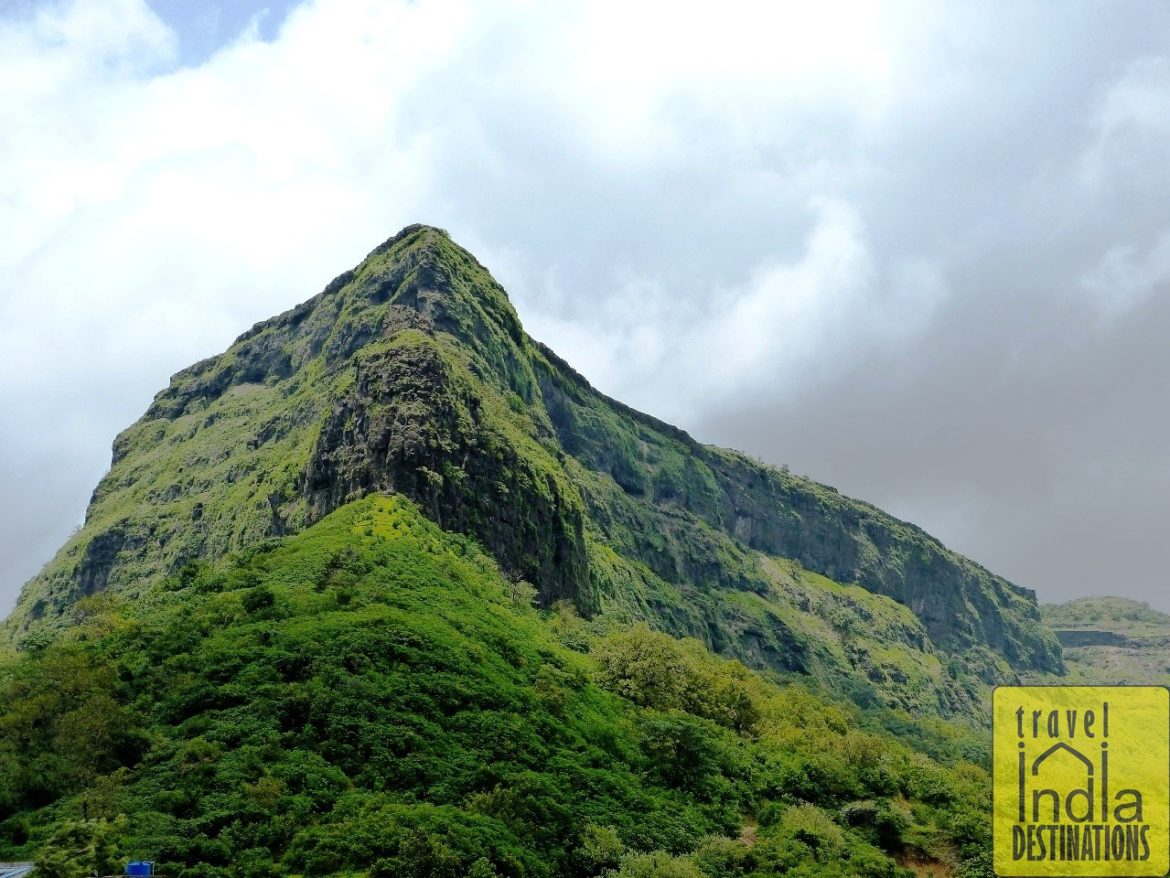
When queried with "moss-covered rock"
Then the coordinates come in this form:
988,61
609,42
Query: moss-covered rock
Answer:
411,374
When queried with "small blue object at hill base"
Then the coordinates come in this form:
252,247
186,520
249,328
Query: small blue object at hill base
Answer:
140,868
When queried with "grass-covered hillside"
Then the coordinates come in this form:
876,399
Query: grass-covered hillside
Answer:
374,697
1112,640
411,373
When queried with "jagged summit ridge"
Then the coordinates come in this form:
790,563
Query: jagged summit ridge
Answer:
411,374
417,279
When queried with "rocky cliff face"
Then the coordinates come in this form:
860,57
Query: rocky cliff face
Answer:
411,374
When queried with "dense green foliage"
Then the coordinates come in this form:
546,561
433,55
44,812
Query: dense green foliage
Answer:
373,697
412,374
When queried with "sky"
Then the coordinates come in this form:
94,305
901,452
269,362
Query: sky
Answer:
917,251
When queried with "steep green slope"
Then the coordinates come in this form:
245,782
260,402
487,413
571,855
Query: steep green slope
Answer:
1112,640
411,373
373,697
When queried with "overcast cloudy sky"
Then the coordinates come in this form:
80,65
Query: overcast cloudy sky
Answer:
918,251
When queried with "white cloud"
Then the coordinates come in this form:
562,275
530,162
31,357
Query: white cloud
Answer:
1125,277
783,329
1130,123
149,213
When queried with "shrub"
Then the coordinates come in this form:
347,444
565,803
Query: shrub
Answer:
601,848
657,865
258,598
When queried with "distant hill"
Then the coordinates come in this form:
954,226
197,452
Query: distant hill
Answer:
1112,640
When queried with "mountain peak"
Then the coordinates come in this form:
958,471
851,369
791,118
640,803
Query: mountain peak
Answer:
418,279
411,374
415,234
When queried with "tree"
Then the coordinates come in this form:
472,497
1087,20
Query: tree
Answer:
601,848
82,848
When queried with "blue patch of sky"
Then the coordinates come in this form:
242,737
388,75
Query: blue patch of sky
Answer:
205,27
202,27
